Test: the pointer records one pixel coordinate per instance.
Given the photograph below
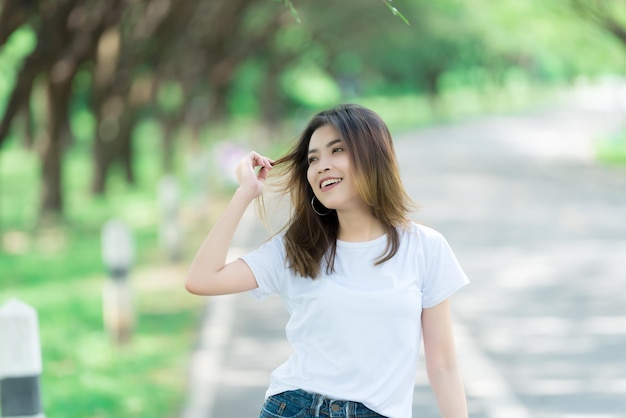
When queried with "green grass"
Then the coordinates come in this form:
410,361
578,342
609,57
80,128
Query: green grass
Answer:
58,270
612,149
85,375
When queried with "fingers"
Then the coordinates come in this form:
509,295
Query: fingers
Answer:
247,175
260,161
262,175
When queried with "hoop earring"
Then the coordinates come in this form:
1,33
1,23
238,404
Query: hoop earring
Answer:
314,210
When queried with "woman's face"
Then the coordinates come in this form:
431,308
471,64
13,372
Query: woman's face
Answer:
330,172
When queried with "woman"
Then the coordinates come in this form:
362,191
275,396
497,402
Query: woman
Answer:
361,282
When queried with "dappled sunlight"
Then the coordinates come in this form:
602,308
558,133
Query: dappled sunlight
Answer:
51,241
16,242
538,228
140,213
503,113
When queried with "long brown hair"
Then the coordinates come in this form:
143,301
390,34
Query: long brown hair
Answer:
310,237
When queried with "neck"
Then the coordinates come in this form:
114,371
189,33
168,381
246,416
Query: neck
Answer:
359,227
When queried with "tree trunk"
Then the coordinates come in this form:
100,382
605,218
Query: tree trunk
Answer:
218,107
126,144
104,145
272,105
169,131
433,93
29,127
13,14
111,147
52,192
20,95
100,167
102,158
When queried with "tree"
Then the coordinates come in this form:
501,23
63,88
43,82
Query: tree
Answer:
134,52
67,32
128,49
608,14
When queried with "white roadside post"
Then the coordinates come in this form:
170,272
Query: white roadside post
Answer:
170,232
20,361
118,254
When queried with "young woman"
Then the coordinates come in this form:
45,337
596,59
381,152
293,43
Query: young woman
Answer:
361,282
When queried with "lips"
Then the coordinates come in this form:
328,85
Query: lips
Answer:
329,182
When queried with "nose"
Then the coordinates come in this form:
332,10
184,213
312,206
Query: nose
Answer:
323,165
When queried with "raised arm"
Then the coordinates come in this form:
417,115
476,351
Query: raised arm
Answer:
441,364
209,274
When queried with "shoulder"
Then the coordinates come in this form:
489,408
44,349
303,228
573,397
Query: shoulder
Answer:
277,239
421,233
276,242
273,247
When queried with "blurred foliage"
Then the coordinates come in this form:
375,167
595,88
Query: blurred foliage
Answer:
84,375
92,71
58,270
100,98
612,149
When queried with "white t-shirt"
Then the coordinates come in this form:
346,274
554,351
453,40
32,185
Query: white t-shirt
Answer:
356,332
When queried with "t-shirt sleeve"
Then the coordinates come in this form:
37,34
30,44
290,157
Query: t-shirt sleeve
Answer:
268,264
444,275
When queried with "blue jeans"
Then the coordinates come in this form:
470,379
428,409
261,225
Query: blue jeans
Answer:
301,404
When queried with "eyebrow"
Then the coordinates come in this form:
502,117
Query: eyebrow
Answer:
330,144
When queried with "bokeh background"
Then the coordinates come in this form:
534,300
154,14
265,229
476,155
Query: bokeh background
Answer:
137,110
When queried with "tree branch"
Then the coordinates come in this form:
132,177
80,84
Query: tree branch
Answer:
597,12
20,96
13,14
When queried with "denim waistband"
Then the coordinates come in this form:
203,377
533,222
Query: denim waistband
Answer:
322,406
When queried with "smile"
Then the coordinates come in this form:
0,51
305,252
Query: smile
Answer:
329,182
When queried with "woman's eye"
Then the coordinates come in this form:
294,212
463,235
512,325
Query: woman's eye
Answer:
312,159
338,149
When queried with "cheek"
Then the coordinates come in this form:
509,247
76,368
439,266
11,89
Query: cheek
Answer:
310,176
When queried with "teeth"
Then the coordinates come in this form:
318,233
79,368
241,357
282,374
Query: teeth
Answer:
329,182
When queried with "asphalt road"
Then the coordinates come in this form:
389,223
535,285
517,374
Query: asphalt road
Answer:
540,229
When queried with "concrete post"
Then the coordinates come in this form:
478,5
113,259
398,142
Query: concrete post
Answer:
118,255
20,361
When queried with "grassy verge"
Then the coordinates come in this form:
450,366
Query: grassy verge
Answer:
612,150
58,270
85,375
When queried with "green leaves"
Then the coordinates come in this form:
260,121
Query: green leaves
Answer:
289,5
396,12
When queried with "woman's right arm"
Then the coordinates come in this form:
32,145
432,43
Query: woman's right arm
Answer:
209,274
